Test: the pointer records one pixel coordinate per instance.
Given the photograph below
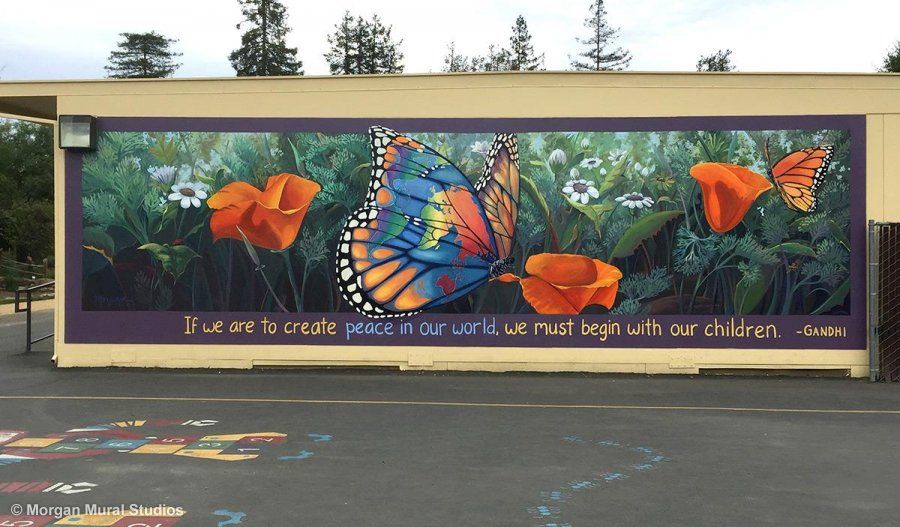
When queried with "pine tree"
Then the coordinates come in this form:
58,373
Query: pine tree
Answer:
360,46
598,54
142,56
386,56
454,62
263,51
891,62
521,50
718,61
498,58
343,57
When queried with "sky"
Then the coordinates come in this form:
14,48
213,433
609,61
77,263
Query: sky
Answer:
65,39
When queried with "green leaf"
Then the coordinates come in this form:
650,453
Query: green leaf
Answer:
570,233
165,150
836,298
839,234
298,159
614,176
748,295
536,162
797,248
174,259
594,213
96,239
641,230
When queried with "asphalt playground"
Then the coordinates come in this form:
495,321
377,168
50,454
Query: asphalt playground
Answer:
380,448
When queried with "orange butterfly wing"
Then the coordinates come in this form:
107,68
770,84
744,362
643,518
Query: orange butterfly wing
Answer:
799,174
498,190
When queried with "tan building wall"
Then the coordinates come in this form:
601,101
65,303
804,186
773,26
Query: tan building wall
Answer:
481,95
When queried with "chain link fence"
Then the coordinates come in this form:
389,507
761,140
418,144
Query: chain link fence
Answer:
884,301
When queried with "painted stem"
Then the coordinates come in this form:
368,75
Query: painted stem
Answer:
271,291
289,267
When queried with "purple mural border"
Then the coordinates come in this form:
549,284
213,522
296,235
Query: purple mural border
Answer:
147,327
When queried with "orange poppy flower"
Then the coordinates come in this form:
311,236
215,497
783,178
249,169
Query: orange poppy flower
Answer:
728,192
565,284
270,218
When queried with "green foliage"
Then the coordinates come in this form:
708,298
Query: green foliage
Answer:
598,53
718,61
641,231
361,46
174,259
26,189
891,62
522,55
264,51
143,56
775,261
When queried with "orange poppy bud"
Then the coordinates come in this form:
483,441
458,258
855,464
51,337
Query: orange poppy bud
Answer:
565,284
728,192
270,218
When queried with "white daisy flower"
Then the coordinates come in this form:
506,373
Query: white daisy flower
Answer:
585,142
602,171
164,174
574,174
580,191
189,194
590,162
481,147
557,157
616,156
635,200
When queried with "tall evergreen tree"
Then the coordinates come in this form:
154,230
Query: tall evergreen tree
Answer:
718,61
343,57
360,46
522,56
264,51
599,54
142,56
498,58
891,62
455,62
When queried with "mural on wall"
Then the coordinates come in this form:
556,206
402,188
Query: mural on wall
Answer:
362,227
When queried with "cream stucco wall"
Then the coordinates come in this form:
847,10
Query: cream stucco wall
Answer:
490,95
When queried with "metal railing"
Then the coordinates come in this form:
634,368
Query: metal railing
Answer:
27,292
884,301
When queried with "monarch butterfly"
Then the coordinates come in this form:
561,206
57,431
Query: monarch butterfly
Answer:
799,174
425,235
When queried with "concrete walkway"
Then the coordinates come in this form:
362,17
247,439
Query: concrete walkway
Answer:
380,448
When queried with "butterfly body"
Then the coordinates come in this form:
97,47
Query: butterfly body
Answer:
798,175
426,236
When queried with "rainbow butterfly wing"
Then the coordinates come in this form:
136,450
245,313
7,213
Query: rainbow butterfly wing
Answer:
799,174
422,238
498,190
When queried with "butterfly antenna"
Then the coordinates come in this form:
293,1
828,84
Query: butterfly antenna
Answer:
766,152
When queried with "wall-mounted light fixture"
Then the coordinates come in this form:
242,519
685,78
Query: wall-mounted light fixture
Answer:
77,132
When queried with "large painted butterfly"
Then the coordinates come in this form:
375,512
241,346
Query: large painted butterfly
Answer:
799,174
425,236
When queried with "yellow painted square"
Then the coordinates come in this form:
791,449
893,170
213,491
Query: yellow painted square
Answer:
238,437
207,454
157,449
34,442
95,520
